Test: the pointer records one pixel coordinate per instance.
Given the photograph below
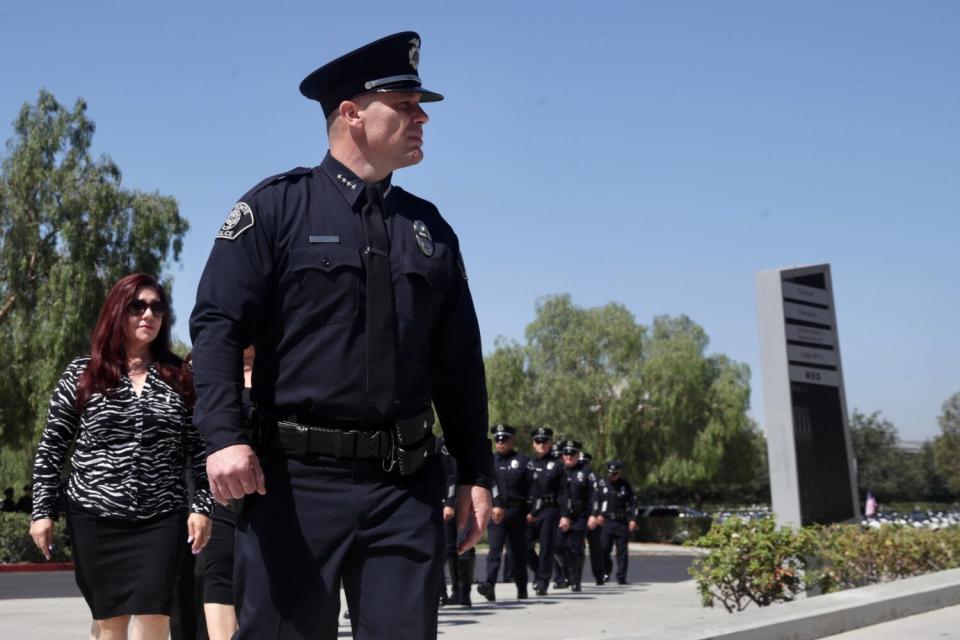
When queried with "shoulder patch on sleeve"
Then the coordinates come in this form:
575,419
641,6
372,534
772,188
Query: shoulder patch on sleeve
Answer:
239,220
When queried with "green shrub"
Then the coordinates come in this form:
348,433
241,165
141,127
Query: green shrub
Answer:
16,545
750,562
754,562
852,556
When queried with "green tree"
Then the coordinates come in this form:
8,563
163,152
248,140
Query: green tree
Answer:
874,440
68,231
946,446
676,416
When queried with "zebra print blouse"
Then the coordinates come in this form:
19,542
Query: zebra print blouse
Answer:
130,451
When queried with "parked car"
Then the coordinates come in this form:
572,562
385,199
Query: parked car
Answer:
670,523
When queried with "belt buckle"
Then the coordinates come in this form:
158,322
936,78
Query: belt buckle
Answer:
300,440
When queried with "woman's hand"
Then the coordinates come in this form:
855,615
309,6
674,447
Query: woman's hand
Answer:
198,531
42,533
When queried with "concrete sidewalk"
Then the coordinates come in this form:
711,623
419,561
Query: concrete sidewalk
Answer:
661,603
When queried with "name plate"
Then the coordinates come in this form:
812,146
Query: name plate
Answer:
811,355
812,335
814,376
806,294
807,314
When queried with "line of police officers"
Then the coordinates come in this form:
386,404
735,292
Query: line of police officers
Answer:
544,510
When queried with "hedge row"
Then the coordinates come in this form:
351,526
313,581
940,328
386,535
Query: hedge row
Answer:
16,545
756,563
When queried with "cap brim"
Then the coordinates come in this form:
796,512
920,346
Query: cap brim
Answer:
425,94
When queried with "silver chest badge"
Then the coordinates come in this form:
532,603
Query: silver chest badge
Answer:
550,465
514,464
422,234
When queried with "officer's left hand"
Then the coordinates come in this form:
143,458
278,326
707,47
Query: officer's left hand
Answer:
632,526
564,524
473,513
198,531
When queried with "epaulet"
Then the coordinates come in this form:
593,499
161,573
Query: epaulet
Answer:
280,177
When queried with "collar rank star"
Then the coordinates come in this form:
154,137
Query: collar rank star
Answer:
239,220
424,241
352,185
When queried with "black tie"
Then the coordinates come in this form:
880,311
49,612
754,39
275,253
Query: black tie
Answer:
381,361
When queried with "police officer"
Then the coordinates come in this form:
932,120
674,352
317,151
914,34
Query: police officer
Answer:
617,515
594,530
510,506
576,505
460,566
546,476
342,281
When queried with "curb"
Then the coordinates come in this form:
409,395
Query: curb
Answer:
30,567
830,614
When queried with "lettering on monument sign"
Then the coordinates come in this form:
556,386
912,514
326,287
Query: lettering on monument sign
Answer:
810,349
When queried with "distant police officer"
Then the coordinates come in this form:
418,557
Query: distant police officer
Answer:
594,530
510,506
460,566
355,296
576,504
546,476
617,515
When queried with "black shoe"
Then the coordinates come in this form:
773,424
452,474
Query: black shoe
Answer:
575,588
561,584
486,589
540,591
622,581
600,582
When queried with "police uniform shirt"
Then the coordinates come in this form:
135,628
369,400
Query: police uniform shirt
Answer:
578,487
546,476
513,477
286,274
615,499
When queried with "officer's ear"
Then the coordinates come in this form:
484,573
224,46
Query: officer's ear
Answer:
350,112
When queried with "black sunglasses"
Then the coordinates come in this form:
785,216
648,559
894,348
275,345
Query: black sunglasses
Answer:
501,437
139,307
541,439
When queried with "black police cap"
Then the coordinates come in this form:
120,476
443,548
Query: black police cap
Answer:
502,429
570,444
542,432
586,456
614,465
389,64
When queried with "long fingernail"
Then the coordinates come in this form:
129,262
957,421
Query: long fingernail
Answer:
189,539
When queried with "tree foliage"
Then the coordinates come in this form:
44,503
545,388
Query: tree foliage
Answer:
946,447
68,231
674,414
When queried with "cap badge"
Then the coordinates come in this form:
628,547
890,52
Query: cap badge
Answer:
415,53
239,220
424,241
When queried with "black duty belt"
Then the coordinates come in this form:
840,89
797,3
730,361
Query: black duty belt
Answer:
405,444
547,501
514,503
615,515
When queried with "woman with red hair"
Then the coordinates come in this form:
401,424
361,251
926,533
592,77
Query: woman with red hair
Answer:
127,409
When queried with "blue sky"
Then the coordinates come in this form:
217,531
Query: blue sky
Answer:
657,154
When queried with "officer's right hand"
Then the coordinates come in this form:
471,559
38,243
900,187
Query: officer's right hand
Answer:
530,518
592,523
564,524
497,515
448,513
234,472
42,533
599,521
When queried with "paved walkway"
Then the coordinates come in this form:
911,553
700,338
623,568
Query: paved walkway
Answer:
661,603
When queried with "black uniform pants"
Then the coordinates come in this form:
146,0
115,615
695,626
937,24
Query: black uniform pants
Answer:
615,532
595,541
326,522
543,532
511,530
570,546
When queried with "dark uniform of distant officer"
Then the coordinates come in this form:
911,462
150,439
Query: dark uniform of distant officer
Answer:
510,506
546,477
355,296
617,515
460,566
576,506
594,530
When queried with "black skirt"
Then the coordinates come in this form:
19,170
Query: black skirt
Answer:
127,567
215,562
